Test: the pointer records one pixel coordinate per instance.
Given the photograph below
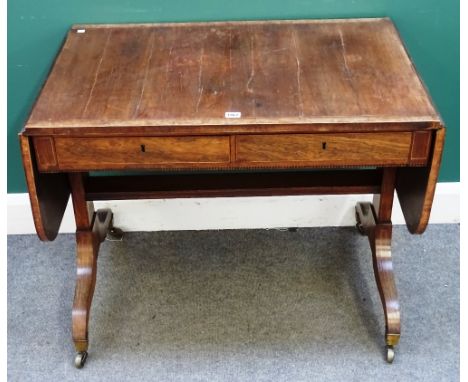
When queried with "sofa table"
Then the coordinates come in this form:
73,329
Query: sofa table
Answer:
218,109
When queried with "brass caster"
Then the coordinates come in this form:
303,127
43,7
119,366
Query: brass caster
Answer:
80,359
114,233
390,354
360,229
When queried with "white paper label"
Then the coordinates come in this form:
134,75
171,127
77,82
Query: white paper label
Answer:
80,30
232,114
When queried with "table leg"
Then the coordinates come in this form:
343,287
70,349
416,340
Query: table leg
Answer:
374,220
91,230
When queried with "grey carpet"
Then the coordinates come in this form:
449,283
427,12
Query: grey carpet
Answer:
250,305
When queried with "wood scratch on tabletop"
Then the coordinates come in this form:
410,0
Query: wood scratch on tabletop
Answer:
145,77
166,79
230,67
230,50
298,73
96,74
343,50
252,66
347,71
200,73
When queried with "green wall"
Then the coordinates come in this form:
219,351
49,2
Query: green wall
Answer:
36,29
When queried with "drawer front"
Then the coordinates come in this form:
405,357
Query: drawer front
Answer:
347,149
142,152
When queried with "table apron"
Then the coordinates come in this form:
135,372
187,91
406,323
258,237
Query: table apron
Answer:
254,151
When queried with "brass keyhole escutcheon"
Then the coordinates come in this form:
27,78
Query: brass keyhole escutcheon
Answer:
324,145
143,148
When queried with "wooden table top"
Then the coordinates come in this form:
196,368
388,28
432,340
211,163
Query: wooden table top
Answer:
232,73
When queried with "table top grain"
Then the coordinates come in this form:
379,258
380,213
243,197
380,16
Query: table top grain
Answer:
232,73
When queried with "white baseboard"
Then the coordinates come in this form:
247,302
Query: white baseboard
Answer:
234,213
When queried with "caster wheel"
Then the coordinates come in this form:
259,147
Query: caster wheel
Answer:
390,354
359,225
360,229
80,359
115,234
